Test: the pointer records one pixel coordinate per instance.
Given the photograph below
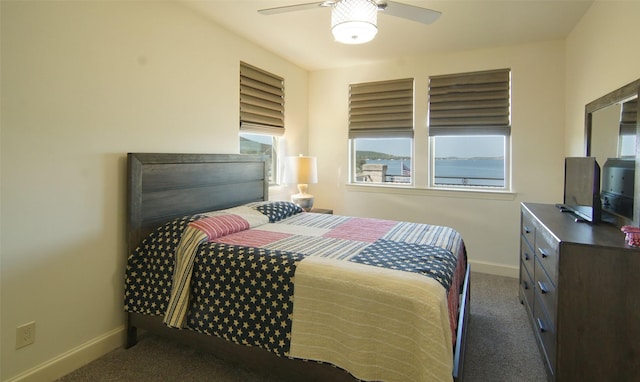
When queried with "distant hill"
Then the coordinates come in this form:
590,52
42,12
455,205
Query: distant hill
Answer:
369,155
249,146
470,158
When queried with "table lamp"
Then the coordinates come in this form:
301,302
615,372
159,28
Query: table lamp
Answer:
301,170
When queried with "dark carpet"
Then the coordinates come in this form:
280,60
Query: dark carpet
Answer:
500,347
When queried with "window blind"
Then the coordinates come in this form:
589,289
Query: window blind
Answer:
629,117
475,103
381,109
261,101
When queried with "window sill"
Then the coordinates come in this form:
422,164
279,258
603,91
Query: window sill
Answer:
435,192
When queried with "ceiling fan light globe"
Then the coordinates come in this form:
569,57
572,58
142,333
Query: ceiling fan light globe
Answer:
354,21
354,32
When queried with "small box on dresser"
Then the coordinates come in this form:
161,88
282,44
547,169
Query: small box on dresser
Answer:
579,284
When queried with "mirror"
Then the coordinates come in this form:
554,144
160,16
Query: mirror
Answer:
611,135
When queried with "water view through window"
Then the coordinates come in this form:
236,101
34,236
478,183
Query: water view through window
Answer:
261,145
472,161
382,160
458,161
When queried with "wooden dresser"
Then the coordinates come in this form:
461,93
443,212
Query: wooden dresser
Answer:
580,284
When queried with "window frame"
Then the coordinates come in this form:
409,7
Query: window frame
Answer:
353,164
381,110
482,96
261,110
507,169
276,175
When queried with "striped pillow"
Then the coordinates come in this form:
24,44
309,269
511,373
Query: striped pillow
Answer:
220,225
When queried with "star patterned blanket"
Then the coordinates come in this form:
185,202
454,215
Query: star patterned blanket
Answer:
270,276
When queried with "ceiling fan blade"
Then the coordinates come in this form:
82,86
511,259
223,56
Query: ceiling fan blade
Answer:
410,12
293,8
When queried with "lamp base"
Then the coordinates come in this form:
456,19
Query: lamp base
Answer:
304,201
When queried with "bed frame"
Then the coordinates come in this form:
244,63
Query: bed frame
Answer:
161,187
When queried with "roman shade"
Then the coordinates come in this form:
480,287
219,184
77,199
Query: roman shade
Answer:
381,109
261,101
475,103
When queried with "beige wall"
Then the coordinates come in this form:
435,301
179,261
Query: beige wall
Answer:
83,83
488,222
602,55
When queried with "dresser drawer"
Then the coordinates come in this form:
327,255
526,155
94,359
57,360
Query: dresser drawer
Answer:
527,255
546,246
547,334
528,227
545,290
526,288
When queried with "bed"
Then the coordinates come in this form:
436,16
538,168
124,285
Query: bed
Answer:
214,263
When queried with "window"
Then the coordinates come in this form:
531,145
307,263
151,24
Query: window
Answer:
382,160
262,144
627,144
469,161
261,114
381,131
469,129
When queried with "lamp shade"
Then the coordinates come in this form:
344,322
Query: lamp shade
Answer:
300,170
354,21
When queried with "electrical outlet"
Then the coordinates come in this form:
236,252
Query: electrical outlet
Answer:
25,334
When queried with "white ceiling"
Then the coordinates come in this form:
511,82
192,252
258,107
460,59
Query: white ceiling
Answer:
304,37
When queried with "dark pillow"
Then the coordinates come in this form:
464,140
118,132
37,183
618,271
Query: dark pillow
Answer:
276,211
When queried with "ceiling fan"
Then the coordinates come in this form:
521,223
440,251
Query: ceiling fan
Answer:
355,21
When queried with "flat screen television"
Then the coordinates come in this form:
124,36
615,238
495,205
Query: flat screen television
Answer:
582,188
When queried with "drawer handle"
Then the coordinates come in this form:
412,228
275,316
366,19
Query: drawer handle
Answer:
526,285
543,288
543,253
526,256
541,325
527,229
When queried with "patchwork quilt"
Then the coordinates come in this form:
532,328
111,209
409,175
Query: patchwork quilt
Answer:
367,295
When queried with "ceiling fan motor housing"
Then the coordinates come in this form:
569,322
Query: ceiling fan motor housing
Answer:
354,21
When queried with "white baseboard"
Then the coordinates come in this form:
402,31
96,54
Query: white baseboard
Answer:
495,269
73,359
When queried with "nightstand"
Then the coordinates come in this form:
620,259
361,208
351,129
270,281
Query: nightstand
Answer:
321,211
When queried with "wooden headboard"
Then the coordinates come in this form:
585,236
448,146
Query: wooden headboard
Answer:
161,187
